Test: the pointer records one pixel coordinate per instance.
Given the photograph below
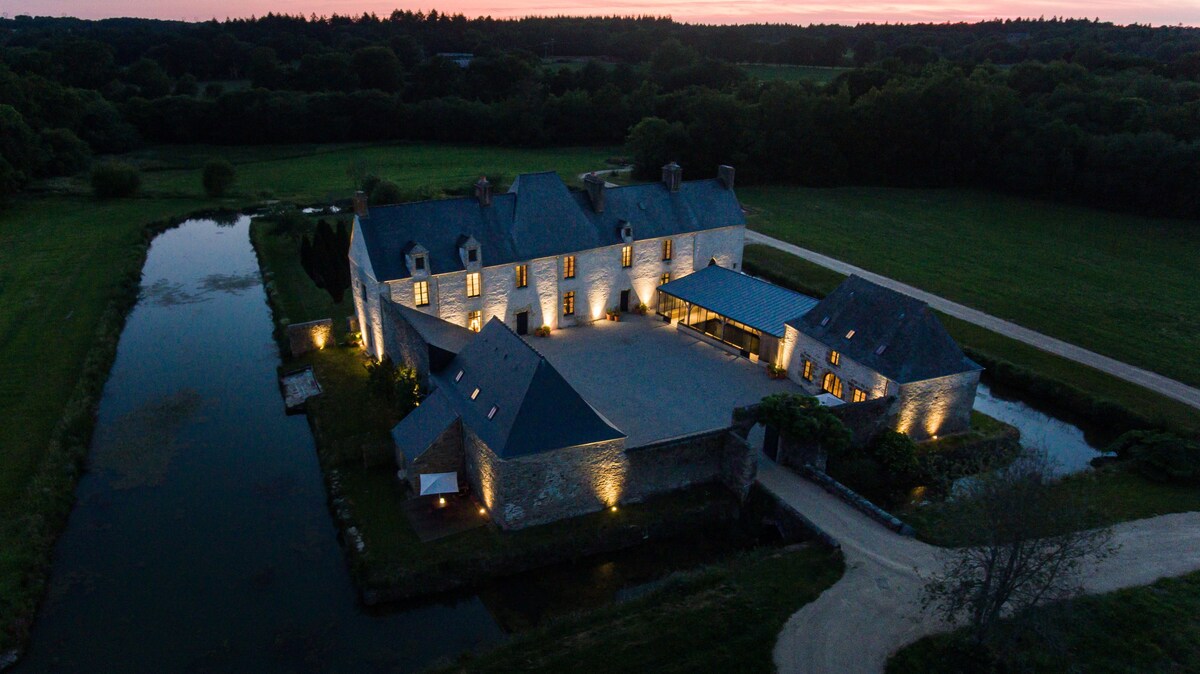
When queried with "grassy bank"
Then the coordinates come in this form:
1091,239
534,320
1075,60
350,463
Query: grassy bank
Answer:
804,276
724,618
1146,629
1121,285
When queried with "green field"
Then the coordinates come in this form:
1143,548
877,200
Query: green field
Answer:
1121,285
1145,629
817,74
724,618
68,259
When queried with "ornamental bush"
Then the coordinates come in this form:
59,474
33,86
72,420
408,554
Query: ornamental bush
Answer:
112,180
219,175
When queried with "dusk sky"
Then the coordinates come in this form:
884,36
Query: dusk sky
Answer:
1156,12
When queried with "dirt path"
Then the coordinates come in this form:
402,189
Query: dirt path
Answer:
872,611
1134,375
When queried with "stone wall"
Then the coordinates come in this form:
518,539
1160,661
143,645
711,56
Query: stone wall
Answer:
555,485
799,347
402,343
674,464
310,336
866,419
934,407
445,455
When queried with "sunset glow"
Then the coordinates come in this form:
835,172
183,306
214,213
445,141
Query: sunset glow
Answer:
1154,12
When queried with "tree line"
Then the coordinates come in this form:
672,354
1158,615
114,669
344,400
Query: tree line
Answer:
1081,110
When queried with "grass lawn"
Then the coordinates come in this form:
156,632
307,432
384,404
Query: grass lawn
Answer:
1122,285
817,74
1146,629
723,618
791,271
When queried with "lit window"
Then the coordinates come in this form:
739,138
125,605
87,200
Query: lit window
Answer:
664,279
808,368
458,377
627,256
473,284
522,276
421,293
668,249
569,266
859,395
475,393
835,358
832,384
569,303
472,255
419,263
474,320
492,412
850,335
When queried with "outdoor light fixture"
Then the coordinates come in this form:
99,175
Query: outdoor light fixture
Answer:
483,511
441,500
613,509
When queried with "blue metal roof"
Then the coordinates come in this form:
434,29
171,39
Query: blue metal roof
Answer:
761,305
539,217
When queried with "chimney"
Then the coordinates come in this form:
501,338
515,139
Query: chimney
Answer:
360,204
483,191
725,175
595,190
672,175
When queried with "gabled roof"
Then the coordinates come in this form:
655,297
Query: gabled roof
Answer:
436,332
757,303
894,334
536,409
538,217
417,431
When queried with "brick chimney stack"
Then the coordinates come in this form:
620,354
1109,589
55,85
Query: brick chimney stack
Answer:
672,176
725,175
483,191
595,190
360,204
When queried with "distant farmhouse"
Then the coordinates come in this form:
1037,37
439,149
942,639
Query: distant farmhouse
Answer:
452,287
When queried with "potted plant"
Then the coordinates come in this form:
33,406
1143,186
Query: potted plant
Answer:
614,314
642,309
776,372
543,331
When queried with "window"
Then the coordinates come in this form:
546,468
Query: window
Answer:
668,249
472,255
473,284
859,395
474,320
569,303
627,256
835,358
522,276
421,293
881,349
824,321
808,368
475,393
492,412
850,335
569,266
458,377
832,384
419,263
664,279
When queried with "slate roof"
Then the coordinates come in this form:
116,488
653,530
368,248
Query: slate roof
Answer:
436,332
537,410
894,334
417,431
539,217
745,299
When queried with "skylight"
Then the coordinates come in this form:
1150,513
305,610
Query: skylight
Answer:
850,334
492,412
475,393
881,349
458,377
825,321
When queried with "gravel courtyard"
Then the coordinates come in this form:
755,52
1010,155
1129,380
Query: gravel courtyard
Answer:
654,381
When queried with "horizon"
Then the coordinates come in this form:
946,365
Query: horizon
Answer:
1121,12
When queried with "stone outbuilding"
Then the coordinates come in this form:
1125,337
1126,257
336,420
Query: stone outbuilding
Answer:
864,342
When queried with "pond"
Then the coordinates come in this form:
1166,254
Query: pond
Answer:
1067,445
201,540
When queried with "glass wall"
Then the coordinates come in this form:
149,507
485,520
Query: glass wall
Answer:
710,323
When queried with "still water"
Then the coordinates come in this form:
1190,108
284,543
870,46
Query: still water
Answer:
201,540
1065,444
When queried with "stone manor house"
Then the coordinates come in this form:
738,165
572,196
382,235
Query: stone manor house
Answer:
452,286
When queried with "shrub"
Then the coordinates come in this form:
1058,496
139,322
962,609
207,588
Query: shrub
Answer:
218,177
288,222
397,385
112,180
803,419
386,192
65,153
1162,457
897,453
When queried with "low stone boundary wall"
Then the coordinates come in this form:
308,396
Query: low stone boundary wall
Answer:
674,463
310,336
790,518
857,502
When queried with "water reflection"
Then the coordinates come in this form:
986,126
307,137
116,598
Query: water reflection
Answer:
1064,443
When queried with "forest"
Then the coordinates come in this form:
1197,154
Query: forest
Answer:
1075,110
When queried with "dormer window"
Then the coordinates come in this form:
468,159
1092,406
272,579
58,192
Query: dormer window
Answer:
419,262
626,232
469,252
472,255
